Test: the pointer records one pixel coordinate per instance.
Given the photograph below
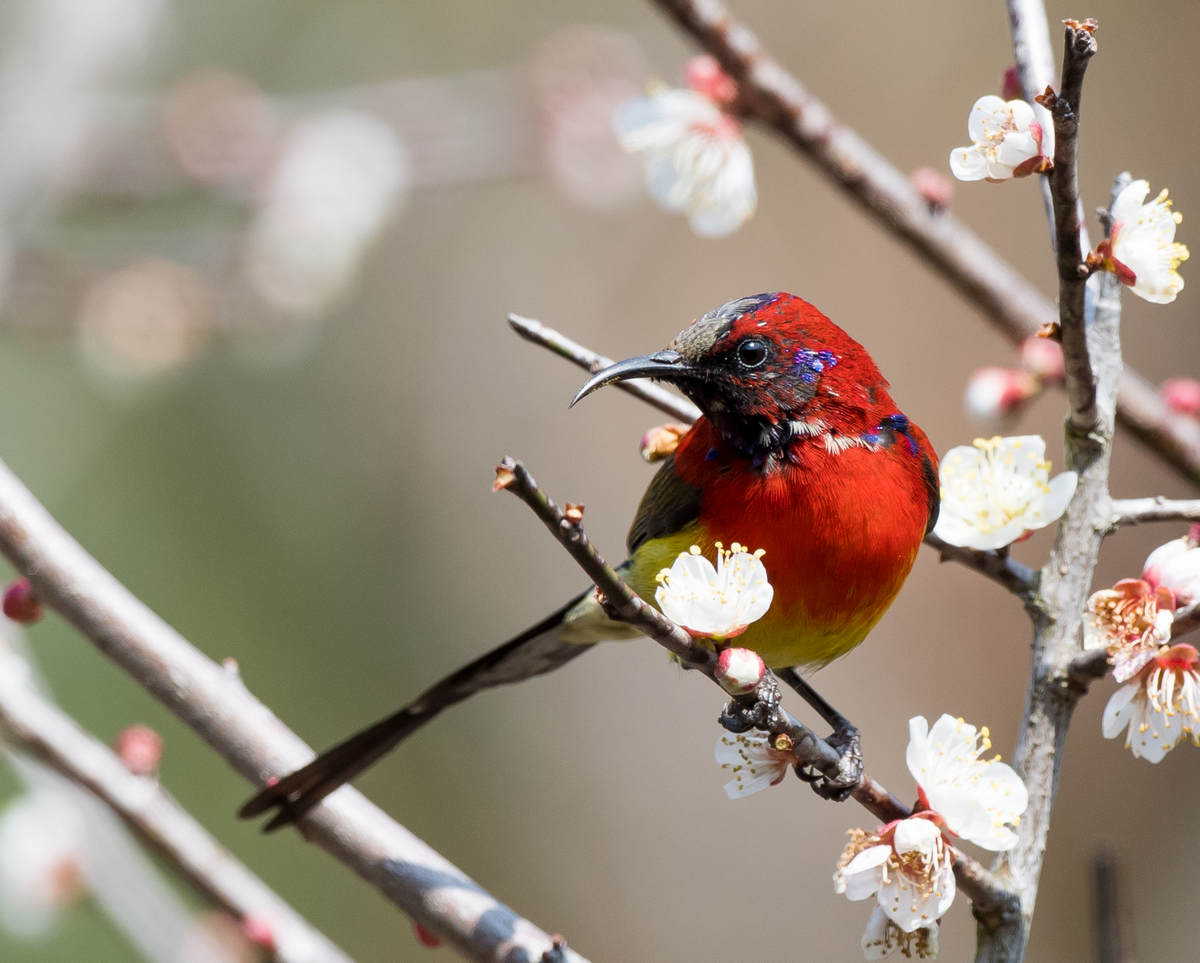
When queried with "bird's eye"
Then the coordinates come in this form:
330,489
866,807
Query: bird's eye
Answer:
751,353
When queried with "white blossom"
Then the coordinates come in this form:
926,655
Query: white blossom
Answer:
339,178
696,159
997,490
1132,620
716,602
755,764
1006,142
1141,248
977,799
882,938
1175,566
1158,707
906,866
43,856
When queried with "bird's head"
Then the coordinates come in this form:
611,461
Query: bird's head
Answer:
766,369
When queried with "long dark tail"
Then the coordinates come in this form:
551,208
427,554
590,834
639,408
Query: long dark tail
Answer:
536,650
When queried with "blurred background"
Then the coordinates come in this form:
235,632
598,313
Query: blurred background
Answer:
256,260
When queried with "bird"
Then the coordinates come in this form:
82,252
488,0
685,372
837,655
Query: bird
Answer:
799,451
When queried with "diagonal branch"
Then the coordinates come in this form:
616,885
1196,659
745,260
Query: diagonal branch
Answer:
250,738
665,401
1005,298
1019,579
980,886
32,723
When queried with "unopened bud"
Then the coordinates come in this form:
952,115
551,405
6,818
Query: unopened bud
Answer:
992,392
934,187
739,671
661,441
783,743
1181,395
260,932
574,513
505,476
140,749
1175,566
704,75
426,937
20,602
1043,358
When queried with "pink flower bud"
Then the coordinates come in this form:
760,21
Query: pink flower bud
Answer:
739,670
661,440
140,749
704,75
935,188
1181,395
1043,358
994,392
260,932
426,937
1175,566
20,602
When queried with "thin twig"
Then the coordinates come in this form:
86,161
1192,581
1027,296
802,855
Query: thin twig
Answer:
1019,579
1135,511
1033,57
1005,298
622,602
665,401
34,724
248,735
1079,48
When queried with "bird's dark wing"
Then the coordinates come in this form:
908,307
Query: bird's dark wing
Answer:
668,505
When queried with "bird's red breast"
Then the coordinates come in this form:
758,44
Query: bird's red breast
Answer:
838,488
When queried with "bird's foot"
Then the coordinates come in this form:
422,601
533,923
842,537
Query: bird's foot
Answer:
839,783
759,712
557,952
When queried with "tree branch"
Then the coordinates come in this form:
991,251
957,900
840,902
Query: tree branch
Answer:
1019,579
1136,511
623,603
32,723
665,401
777,99
1080,47
1053,688
247,734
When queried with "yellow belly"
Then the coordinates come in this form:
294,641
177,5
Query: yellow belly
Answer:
785,636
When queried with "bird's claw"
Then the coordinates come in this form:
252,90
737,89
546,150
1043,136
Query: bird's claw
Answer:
759,711
841,782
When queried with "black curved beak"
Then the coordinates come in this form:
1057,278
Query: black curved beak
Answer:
664,365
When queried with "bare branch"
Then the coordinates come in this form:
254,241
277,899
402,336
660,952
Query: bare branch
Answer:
1005,299
34,724
1053,688
1019,579
1080,47
665,401
248,735
1034,59
1136,511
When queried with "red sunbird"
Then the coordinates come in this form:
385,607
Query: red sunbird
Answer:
799,451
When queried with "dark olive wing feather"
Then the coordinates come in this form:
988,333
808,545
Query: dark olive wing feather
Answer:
668,505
